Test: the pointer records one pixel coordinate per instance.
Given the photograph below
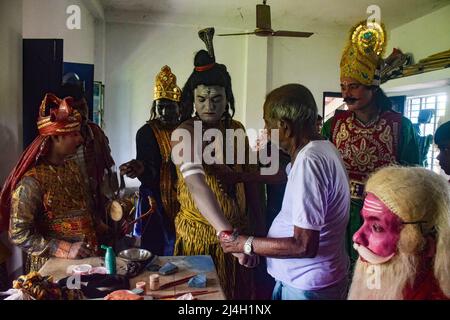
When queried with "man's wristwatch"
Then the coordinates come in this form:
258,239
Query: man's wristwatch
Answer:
248,248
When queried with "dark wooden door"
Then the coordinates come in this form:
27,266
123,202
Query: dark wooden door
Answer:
86,74
42,73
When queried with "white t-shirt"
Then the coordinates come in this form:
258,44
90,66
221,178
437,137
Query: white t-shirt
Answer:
317,197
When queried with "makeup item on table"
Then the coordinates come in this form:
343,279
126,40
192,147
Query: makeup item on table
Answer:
110,259
81,269
194,293
168,268
154,282
176,282
198,281
141,285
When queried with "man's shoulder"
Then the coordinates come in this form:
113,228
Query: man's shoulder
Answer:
31,178
96,130
319,149
319,154
187,124
94,126
147,127
31,173
237,125
406,122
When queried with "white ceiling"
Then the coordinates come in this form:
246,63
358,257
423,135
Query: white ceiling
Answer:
311,15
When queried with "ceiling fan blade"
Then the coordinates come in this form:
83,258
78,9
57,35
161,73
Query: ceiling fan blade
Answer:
236,34
263,20
298,34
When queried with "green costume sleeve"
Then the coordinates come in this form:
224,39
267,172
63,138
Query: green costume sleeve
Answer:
326,129
409,146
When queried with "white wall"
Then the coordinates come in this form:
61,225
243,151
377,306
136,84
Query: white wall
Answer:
422,37
135,54
100,50
312,62
10,85
10,98
47,19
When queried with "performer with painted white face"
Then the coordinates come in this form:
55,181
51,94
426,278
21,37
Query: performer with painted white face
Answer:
208,209
404,240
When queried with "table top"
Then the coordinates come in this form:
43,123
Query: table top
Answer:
187,266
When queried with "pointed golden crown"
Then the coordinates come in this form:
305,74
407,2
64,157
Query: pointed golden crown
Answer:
362,59
166,86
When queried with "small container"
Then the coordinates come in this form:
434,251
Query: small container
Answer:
141,285
82,269
110,260
154,282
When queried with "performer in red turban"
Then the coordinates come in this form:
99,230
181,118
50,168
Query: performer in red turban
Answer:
43,200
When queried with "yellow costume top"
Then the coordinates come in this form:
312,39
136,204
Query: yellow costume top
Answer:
195,236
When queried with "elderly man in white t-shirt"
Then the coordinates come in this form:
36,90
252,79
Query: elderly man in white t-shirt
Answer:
305,246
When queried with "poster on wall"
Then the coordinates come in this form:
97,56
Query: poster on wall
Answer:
99,93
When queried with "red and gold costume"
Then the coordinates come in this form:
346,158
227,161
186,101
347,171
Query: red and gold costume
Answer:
366,147
43,203
426,286
95,162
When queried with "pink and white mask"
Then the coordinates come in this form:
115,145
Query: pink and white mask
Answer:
376,240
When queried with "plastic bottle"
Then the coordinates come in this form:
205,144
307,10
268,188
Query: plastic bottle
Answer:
110,260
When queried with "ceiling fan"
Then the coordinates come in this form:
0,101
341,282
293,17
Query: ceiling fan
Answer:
264,27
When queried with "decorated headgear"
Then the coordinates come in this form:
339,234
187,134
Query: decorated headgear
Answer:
60,118
207,35
362,57
56,117
209,73
420,198
166,86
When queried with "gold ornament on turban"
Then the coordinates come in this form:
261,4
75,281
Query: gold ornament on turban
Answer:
362,57
166,86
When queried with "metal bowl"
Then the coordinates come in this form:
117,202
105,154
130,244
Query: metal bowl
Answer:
135,254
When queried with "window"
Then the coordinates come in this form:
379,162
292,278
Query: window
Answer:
332,101
436,104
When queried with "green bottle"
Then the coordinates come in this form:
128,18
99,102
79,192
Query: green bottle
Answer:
110,260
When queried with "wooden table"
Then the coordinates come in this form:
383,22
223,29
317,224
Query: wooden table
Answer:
187,265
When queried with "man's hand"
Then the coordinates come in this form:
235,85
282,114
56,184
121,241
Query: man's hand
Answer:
125,228
246,260
236,246
132,169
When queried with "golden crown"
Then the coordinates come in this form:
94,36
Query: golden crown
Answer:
361,59
166,86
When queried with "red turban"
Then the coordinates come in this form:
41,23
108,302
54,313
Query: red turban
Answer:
61,120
